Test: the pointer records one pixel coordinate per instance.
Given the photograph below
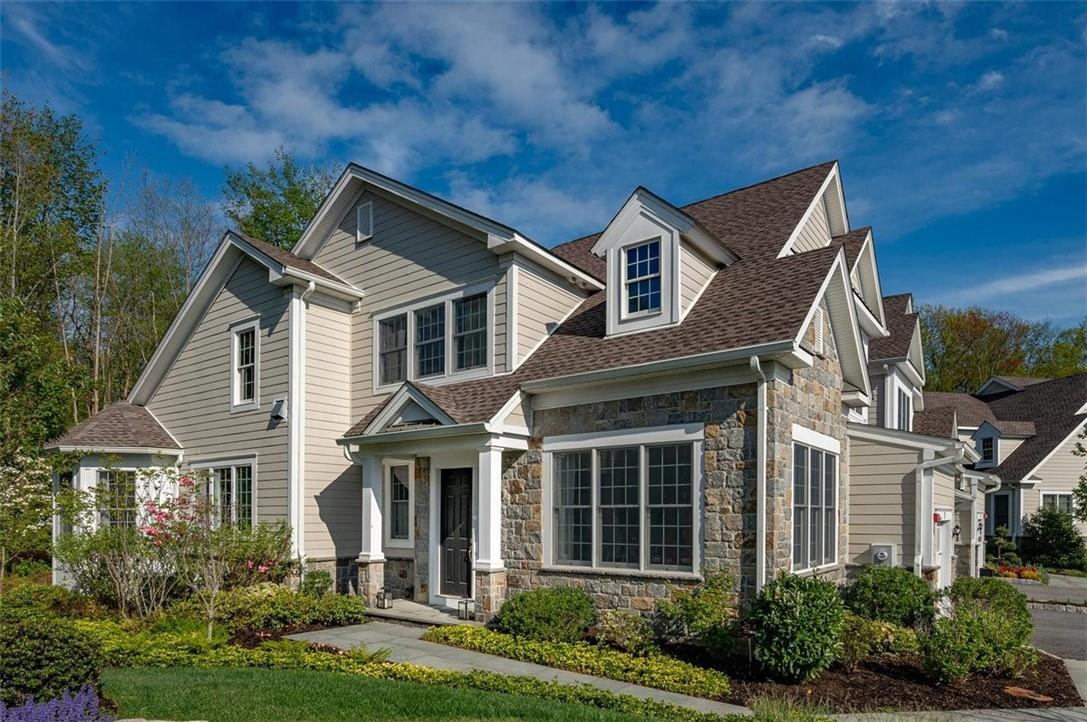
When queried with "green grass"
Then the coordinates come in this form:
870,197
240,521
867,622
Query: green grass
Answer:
279,695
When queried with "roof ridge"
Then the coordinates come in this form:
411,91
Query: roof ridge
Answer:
749,186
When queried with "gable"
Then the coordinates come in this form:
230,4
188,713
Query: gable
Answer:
825,218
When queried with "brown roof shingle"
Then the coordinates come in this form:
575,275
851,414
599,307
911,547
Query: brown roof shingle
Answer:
119,425
289,259
936,422
901,326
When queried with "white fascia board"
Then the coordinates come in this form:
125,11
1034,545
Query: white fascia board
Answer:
868,252
831,176
430,432
909,439
856,399
407,393
499,417
868,321
530,250
99,450
741,354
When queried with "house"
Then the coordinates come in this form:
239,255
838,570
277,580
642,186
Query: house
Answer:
1025,432
442,408
914,501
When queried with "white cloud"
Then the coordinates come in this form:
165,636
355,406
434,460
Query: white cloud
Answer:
1024,282
990,81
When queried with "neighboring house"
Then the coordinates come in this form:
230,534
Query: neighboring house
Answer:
1024,431
913,502
442,408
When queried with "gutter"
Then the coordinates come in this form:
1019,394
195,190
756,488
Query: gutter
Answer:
760,476
918,520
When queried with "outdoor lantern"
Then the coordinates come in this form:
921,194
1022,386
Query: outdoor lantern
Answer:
956,531
466,608
384,599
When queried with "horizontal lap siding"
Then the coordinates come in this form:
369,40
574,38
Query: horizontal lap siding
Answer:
882,489
409,257
943,490
815,232
694,273
333,497
1058,474
539,302
193,401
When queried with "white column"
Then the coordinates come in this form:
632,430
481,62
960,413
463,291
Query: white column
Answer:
489,504
372,528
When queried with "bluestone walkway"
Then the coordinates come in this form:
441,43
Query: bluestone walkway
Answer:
405,646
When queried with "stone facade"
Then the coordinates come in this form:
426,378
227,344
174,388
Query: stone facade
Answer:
421,568
343,570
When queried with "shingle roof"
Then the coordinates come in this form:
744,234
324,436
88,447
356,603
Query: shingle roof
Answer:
289,259
940,422
1021,381
901,325
971,411
852,242
119,425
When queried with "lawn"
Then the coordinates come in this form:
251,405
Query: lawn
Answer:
274,695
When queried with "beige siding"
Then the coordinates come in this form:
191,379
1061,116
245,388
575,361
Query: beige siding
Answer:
411,256
875,411
1005,447
695,271
816,231
540,301
1060,473
882,489
943,490
501,315
193,401
333,487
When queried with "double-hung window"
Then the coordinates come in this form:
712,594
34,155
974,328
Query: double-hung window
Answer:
1060,502
988,449
117,497
393,349
398,504
430,341
642,282
815,507
245,364
470,332
904,408
231,487
626,507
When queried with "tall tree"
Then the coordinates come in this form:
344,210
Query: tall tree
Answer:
966,347
174,215
275,203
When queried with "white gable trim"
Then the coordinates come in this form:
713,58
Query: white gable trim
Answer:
868,254
1052,452
224,262
833,177
407,393
1007,385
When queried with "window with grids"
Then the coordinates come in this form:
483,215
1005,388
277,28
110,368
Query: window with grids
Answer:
643,278
641,515
232,490
430,341
1060,502
903,410
815,507
393,349
470,332
245,365
987,449
574,507
399,502
117,498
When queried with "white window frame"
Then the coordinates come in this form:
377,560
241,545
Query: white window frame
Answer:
828,445
642,438
387,495
991,460
624,310
99,472
211,466
450,375
236,329
1069,494
903,405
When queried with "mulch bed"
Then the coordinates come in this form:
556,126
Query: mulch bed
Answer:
895,683
249,638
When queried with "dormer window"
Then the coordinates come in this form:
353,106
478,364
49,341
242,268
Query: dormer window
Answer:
643,278
987,450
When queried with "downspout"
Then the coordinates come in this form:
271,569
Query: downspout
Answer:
761,412
918,517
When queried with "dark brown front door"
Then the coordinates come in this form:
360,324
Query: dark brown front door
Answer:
456,551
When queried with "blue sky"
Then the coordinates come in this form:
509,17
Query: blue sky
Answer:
961,129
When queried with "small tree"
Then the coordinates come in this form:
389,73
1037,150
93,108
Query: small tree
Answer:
1003,545
26,508
1079,494
1050,539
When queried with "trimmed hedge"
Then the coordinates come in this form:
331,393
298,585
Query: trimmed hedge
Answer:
43,656
547,614
892,594
266,608
657,671
797,623
122,649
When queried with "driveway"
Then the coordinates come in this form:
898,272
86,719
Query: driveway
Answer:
1063,634
1060,590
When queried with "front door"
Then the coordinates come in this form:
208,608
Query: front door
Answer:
456,544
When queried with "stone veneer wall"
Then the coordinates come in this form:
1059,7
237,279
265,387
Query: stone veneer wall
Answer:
812,398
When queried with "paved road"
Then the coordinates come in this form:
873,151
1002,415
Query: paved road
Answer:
1061,633
1060,589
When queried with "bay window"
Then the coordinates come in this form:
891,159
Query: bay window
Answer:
815,507
117,497
231,487
629,506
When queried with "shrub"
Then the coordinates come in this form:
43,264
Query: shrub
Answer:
83,706
43,656
316,583
892,595
628,632
975,638
1050,539
549,614
268,608
797,623
261,553
705,615
863,638
657,670
998,595
52,599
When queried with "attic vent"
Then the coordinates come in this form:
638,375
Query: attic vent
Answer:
365,227
817,323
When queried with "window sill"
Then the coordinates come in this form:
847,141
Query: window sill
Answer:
616,572
812,571
400,546
241,408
